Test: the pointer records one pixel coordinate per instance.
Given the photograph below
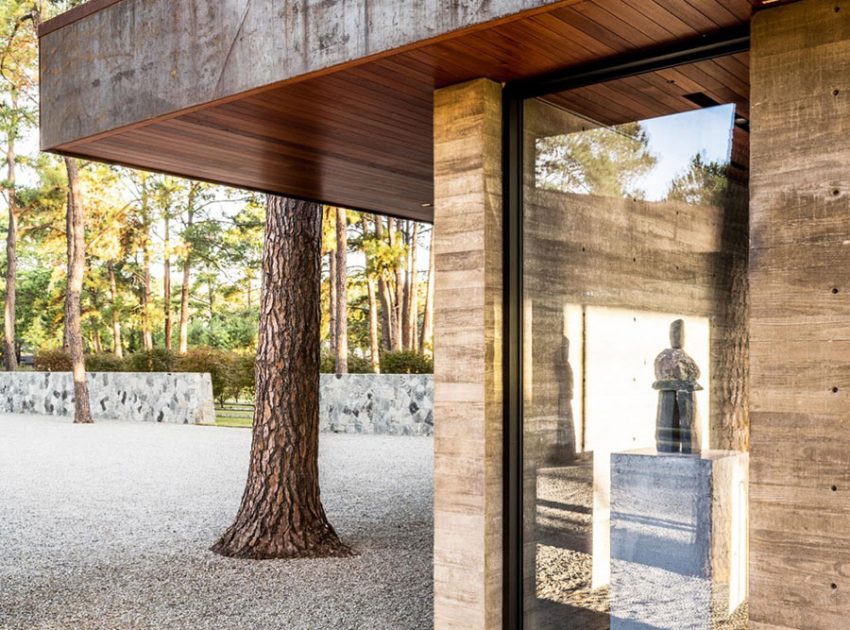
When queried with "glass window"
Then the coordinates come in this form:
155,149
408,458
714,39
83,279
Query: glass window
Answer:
635,430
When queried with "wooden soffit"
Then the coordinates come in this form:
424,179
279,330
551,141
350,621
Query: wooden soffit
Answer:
326,101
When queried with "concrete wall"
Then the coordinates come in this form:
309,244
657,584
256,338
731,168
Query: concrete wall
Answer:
142,397
393,404
150,58
800,325
468,357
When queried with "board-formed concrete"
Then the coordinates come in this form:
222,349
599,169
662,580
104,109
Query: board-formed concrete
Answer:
468,357
181,398
800,297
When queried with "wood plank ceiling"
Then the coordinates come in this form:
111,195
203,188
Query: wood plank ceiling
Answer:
362,137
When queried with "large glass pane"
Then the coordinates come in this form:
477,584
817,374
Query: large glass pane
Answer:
635,352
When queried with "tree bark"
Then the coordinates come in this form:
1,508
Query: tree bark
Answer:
183,339
384,293
398,336
166,282
10,357
147,335
73,304
412,319
281,514
341,292
332,283
427,339
374,349
117,344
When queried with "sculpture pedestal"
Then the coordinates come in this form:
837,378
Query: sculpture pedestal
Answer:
678,538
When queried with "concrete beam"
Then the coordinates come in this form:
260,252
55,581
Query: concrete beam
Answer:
137,60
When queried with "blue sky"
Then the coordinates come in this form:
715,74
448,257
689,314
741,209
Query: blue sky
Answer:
675,139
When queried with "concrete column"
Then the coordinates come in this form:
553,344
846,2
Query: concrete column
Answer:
800,317
468,357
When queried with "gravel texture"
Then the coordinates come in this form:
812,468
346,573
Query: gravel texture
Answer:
108,526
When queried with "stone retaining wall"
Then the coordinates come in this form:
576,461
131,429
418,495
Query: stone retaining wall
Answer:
394,404
182,398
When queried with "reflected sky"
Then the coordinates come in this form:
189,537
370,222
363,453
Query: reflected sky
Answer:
675,139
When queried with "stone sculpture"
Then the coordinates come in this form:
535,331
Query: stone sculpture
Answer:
676,373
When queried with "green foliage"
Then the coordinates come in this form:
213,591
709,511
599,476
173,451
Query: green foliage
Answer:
356,365
242,376
52,361
604,161
703,183
406,362
156,360
217,363
105,362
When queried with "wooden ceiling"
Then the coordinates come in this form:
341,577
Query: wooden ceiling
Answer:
361,135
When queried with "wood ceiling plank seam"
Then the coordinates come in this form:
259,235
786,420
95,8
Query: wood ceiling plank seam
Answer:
660,15
552,30
725,78
689,14
199,132
741,9
612,23
149,142
300,102
587,105
573,16
413,83
642,21
404,84
331,124
547,54
260,125
715,12
599,48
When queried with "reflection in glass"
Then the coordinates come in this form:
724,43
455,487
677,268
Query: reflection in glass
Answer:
629,226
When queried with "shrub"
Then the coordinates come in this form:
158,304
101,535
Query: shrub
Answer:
217,363
406,362
104,362
52,361
156,360
356,365
242,375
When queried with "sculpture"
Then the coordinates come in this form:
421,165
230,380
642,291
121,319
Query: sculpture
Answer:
676,373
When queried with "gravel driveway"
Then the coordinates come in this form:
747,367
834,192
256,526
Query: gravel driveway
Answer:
108,526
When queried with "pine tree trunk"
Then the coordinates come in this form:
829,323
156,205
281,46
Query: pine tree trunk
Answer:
412,319
398,335
341,292
374,349
427,339
166,283
117,344
73,302
10,347
183,340
147,335
281,514
385,295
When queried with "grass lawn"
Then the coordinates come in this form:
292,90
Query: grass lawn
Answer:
234,414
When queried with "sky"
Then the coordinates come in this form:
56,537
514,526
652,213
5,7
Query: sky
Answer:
675,139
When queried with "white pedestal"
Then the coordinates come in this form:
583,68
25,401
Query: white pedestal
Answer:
678,538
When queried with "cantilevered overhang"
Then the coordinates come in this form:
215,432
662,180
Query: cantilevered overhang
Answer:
330,101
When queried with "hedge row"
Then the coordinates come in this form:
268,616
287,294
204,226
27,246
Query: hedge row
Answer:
232,372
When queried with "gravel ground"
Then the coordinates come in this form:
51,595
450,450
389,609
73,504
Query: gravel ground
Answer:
108,526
